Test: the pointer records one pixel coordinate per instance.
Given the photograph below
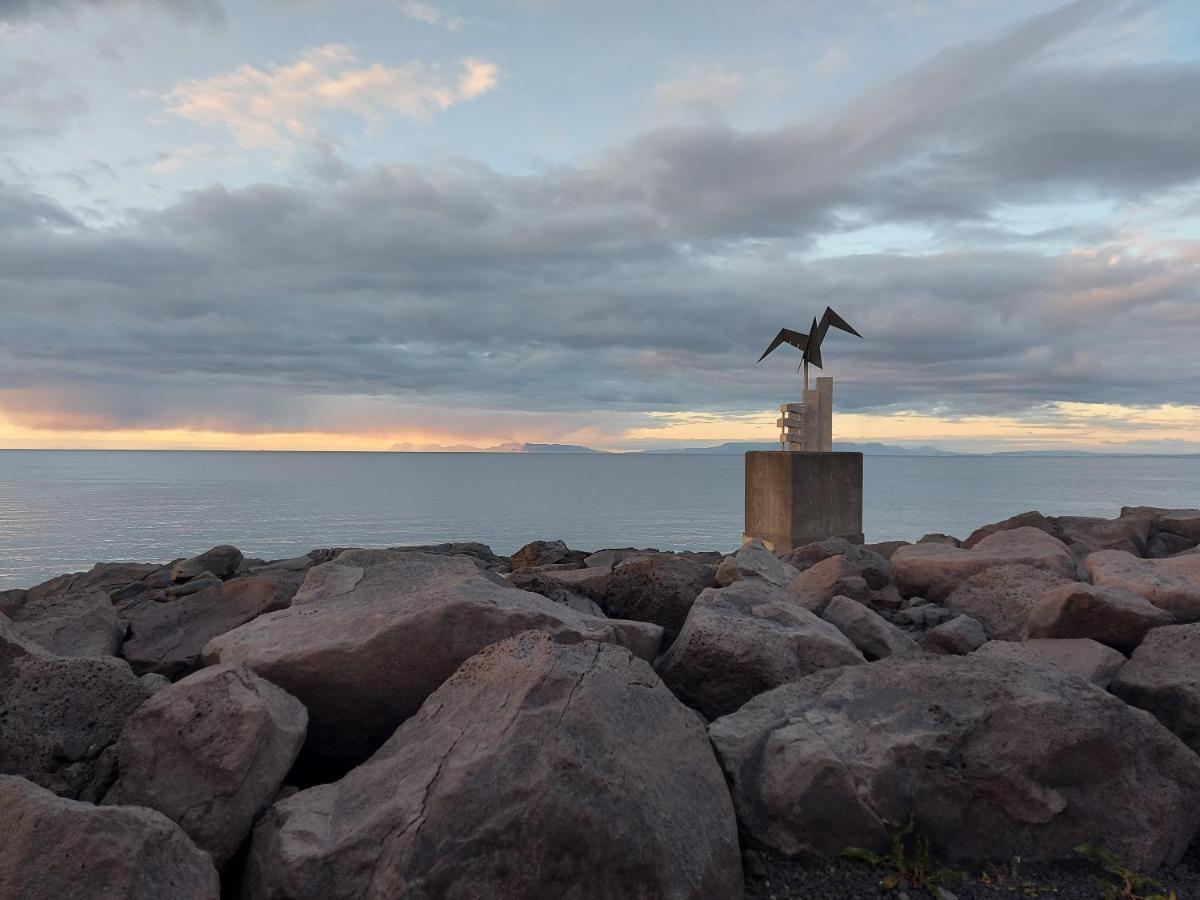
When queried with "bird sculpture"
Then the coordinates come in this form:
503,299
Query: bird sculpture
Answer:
810,344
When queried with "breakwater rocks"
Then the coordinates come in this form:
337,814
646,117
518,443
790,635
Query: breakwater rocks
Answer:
441,721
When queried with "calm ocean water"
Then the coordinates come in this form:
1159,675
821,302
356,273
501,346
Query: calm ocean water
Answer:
63,510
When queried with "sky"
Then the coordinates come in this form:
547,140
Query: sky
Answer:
366,224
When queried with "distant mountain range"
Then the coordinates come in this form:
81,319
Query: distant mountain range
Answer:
737,447
508,447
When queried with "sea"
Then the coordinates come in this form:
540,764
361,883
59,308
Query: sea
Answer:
63,510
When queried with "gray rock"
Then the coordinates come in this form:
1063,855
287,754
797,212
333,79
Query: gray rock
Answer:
1031,519
1002,597
934,571
946,540
546,553
836,576
753,560
58,714
385,629
11,600
660,589
1163,678
222,561
55,849
744,639
1128,533
1080,657
923,616
1171,584
591,582
210,753
993,759
1183,522
611,558
201,582
960,635
167,637
72,624
481,553
873,567
103,576
537,770
1164,544
556,590
1111,615
873,636
885,549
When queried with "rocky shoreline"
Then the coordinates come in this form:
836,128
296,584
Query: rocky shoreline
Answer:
1021,707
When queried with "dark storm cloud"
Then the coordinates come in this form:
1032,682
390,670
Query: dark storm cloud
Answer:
21,10
650,279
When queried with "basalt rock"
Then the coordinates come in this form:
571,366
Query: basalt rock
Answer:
58,714
1172,584
660,589
167,637
1163,677
537,770
872,566
993,759
744,639
210,753
80,623
1111,615
959,635
1081,657
372,634
221,561
1002,597
875,637
755,561
55,848
934,571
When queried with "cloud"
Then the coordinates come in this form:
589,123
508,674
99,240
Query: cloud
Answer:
648,279
430,14
32,101
833,60
281,105
703,91
205,11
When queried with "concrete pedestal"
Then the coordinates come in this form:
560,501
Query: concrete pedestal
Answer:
793,499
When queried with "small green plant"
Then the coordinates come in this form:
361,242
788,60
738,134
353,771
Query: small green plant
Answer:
1120,881
908,861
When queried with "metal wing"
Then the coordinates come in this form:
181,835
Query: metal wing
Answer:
831,318
812,353
797,339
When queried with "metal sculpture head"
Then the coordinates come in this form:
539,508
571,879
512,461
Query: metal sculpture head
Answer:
809,344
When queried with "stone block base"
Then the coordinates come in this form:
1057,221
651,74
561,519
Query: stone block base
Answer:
793,499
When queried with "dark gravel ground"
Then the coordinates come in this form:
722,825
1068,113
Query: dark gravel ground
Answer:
770,877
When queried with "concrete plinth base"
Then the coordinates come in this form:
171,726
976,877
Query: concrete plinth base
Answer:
793,499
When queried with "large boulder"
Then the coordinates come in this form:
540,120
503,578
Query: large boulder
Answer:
1182,522
868,563
481,553
993,759
755,561
222,561
1081,657
55,849
744,639
210,753
107,577
874,636
538,770
1163,677
959,635
372,634
1162,545
837,576
933,571
1128,533
1172,584
659,589
547,553
556,590
1002,597
58,714
81,623
167,636
1031,519
1111,615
